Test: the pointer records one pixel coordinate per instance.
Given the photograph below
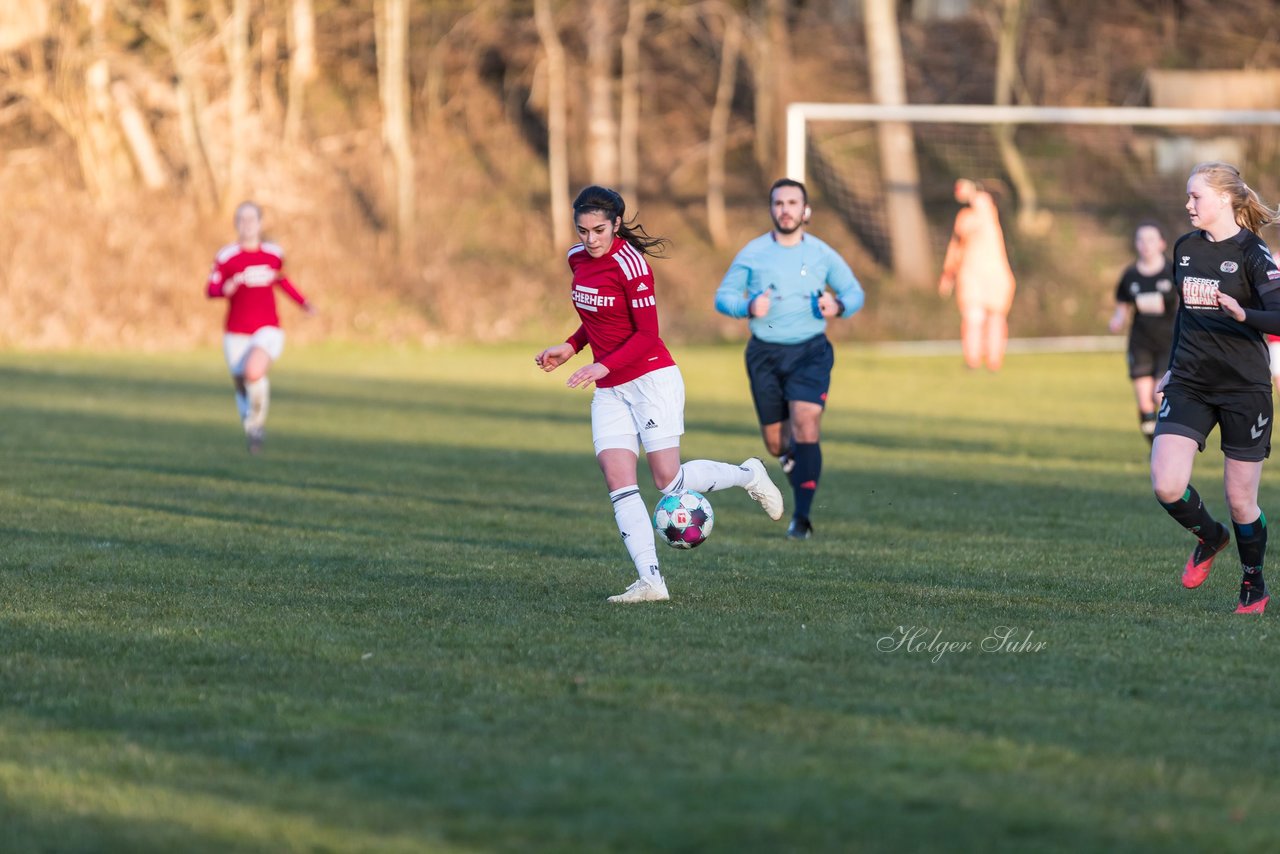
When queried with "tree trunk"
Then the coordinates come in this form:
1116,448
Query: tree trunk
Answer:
767,74
146,155
602,129
557,123
302,65
908,230
268,78
236,48
200,171
1030,219
103,158
629,111
717,222
393,86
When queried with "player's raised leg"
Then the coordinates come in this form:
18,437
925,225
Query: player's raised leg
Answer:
713,476
1172,457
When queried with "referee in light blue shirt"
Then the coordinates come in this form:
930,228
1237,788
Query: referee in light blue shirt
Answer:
789,284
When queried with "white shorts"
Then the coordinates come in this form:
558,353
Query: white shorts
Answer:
236,346
1274,348
650,407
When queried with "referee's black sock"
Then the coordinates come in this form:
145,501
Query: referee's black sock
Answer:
1251,540
1189,512
804,477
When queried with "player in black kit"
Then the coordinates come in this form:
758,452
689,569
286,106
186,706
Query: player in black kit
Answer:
1146,287
1219,373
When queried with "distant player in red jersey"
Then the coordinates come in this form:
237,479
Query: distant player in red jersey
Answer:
246,274
639,396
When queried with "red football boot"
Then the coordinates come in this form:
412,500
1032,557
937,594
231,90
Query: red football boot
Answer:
1201,560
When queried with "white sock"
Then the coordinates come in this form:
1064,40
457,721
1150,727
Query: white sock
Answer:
242,401
707,476
637,531
259,392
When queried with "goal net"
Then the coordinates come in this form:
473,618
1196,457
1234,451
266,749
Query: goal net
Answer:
1071,184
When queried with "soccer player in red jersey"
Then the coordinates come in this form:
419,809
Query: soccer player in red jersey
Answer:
1219,373
639,395
246,274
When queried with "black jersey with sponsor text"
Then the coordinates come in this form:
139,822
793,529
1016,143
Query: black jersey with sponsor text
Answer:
1155,303
1213,351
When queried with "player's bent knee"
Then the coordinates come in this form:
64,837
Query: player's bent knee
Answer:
1168,492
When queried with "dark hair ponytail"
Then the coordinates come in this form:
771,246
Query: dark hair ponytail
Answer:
610,204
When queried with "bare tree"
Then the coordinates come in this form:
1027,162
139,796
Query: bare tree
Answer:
302,65
392,36
235,47
142,143
1030,218
908,230
602,129
111,166
268,76
731,45
173,35
770,78
557,121
72,86
629,109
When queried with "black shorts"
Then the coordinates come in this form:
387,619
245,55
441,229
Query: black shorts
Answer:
1148,358
1243,417
781,373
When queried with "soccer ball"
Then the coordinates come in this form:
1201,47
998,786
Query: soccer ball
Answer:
684,519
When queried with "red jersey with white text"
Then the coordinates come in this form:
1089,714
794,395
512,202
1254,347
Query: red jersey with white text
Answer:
248,279
614,297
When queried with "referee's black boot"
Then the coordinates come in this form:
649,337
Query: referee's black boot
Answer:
800,528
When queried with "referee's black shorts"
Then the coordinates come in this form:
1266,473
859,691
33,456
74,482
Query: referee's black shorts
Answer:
781,373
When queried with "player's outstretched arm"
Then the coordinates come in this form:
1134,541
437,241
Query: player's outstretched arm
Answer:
555,356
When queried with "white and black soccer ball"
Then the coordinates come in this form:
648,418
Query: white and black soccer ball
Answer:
684,519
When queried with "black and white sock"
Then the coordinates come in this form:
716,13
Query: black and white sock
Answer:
636,527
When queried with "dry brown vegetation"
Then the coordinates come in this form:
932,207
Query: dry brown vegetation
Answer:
103,261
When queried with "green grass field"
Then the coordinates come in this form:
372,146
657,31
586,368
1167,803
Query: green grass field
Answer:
389,633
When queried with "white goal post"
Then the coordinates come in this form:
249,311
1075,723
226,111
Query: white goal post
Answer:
800,114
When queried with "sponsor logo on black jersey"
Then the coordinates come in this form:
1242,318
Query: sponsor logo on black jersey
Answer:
1229,266
1186,261
1164,286
1199,293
